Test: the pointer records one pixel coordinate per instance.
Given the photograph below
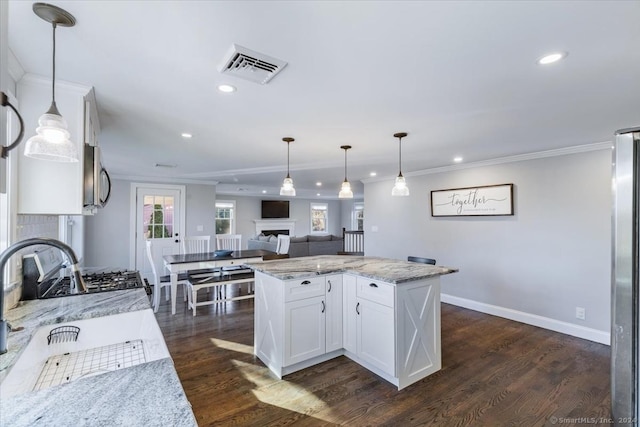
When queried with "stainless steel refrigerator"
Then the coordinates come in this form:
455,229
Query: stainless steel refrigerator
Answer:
625,325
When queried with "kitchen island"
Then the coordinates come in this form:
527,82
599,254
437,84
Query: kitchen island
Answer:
147,394
382,313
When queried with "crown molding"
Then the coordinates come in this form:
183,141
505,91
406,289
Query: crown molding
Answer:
160,179
606,145
38,80
16,70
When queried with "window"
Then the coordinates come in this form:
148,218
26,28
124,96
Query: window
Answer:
319,217
225,217
358,217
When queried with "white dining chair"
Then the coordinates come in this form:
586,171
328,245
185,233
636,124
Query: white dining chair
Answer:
232,242
282,247
160,282
196,244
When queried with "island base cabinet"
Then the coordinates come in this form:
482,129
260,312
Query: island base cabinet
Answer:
304,323
375,335
418,327
392,330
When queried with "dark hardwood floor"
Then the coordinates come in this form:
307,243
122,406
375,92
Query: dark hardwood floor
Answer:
496,372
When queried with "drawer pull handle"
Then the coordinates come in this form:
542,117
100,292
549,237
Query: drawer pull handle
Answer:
357,305
306,282
329,281
323,307
373,285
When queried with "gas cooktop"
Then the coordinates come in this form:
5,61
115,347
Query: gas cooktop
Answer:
95,282
41,277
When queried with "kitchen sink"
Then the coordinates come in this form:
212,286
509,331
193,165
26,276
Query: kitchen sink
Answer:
103,344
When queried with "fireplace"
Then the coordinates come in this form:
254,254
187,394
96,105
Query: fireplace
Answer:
274,232
275,226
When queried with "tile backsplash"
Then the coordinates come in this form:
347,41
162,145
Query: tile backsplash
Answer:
29,226
37,226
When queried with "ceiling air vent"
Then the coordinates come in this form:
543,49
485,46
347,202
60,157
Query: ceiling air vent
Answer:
250,65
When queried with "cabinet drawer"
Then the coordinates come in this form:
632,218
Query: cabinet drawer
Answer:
376,291
303,288
229,262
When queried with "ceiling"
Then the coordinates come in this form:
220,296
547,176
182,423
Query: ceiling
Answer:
460,77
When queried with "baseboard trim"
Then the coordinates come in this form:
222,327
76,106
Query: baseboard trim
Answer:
530,319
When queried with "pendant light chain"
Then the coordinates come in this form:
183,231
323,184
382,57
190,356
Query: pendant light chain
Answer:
288,142
345,164
400,156
53,81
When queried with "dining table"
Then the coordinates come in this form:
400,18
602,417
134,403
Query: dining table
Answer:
182,263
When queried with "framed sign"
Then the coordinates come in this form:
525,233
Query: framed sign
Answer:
473,201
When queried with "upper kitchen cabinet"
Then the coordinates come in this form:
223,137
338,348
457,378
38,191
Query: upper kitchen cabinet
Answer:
46,187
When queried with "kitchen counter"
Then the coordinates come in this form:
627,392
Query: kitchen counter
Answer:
149,394
385,269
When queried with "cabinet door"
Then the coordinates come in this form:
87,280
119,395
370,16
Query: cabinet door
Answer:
376,335
334,312
349,314
304,329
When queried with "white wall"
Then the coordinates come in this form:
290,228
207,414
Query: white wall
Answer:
537,266
107,240
248,209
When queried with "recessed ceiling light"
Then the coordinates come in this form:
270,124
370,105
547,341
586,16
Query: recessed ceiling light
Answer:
319,184
264,191
373,174
317,194
457,159
187,135
552,57
226,88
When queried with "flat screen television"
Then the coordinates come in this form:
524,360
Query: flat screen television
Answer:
275,209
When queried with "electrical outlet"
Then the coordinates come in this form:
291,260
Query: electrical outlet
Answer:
580,313
199,228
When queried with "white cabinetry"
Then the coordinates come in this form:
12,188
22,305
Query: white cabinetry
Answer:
297,320
391,329
375,324
333,318
51,187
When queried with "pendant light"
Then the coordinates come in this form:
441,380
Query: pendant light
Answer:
345,191
287,188
400,188
52,139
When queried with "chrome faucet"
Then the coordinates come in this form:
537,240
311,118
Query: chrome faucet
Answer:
4,257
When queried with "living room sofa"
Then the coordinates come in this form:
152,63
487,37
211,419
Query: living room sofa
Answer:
309,245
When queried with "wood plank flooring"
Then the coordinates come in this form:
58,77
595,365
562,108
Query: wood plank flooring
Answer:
496,372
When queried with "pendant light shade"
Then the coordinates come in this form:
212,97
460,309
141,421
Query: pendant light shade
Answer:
345,191
52,140
287,188
400,188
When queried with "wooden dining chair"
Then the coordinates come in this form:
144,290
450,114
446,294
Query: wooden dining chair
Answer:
231,242
421,260
160,282
196,244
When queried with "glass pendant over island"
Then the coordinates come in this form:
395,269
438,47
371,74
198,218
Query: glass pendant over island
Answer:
345,191
287,188
400,188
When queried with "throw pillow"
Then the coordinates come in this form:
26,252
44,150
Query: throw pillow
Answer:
273,239
263,238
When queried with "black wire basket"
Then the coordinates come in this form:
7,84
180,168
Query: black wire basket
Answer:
63,334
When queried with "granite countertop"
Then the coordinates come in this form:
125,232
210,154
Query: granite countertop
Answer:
148,394
384,269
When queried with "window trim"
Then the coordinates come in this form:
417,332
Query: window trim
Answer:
319,206
233,213
357,207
